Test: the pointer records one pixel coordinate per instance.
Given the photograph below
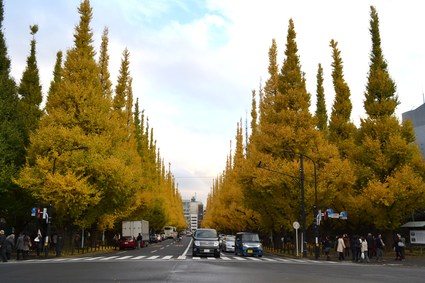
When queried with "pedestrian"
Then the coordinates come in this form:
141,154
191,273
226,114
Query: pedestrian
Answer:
353,247
379,248
10,244
358,246
54,241
3,246
340,248
139,241
370,245
364,250
327,247
38,241
116,240
347,245
402,245
399,247
20,246
27,246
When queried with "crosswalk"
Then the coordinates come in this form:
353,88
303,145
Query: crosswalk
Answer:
222,258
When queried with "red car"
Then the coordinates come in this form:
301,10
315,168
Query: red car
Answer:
127,242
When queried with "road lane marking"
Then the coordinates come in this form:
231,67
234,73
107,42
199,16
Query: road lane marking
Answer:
154,251
239,258
153,257
182,257
78,258
111,257
187,249
167,257
124,257
139,257
225,258
269,259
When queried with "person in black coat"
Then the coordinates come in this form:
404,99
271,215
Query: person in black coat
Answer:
10,244
3,246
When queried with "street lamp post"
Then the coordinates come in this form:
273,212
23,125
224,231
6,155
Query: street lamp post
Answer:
316,227
303,204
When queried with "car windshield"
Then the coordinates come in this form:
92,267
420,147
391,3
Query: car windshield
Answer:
229,238
206,234
250,238
126,238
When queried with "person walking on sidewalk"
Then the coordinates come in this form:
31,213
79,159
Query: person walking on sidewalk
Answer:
379,248
20,246
327,247
10,244
347,243
340,248
364,250
3,246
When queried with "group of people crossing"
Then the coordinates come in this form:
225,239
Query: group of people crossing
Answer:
363,248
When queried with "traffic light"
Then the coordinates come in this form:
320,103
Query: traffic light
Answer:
325,214
38,213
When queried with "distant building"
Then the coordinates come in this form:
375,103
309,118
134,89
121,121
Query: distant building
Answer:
417,116
193,212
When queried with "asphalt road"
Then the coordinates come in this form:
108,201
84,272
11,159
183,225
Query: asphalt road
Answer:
171,261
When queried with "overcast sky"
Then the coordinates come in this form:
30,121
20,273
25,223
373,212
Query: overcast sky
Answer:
195,63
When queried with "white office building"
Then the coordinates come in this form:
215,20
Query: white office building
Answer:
193,212
417,116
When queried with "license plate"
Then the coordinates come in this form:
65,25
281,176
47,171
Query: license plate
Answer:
206,251
250,251
126,243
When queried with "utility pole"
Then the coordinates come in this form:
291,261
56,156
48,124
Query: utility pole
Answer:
303,205
47,238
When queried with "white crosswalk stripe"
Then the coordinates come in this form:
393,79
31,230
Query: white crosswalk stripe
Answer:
124,257
111,257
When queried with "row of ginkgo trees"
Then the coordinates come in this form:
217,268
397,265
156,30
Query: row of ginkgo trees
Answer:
90,152
374,172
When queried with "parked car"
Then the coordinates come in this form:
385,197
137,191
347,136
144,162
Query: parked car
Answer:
162,236
247,243
153,238
228,243
205,242
127,242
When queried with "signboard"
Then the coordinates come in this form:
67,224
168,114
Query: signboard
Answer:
296,225
333,215
417,236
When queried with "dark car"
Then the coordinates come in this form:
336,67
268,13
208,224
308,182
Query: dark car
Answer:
127,242
205,242
153,238
247,243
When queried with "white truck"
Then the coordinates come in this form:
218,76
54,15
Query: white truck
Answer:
134,227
